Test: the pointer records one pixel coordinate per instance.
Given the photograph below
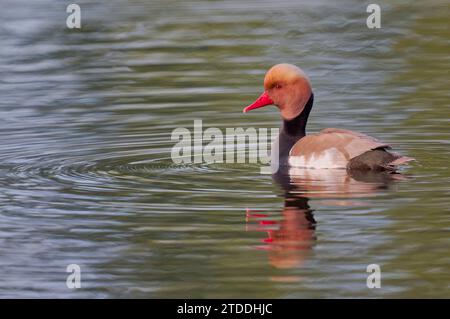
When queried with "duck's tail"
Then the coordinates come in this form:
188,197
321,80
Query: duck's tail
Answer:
378,160
399,161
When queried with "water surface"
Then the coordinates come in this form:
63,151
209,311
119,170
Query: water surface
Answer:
87,178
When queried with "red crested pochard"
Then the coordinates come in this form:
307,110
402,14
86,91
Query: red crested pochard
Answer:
287,87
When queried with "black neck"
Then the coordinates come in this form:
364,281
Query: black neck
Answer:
292,131
297,126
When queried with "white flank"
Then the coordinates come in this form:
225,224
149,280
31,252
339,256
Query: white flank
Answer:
331,158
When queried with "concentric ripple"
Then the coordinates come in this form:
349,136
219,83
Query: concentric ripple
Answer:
86,175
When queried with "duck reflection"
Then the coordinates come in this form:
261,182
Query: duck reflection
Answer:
291,236
290,239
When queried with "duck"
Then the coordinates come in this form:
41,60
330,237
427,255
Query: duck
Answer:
288,87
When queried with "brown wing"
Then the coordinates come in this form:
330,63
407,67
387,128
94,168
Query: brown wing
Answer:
332,147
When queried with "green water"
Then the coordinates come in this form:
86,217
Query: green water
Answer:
87,177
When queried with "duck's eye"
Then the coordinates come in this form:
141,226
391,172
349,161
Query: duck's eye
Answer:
277,86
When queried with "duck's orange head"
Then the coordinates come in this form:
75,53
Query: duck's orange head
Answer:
287,87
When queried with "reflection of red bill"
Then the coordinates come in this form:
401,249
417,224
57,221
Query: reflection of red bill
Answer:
263,225
287,241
